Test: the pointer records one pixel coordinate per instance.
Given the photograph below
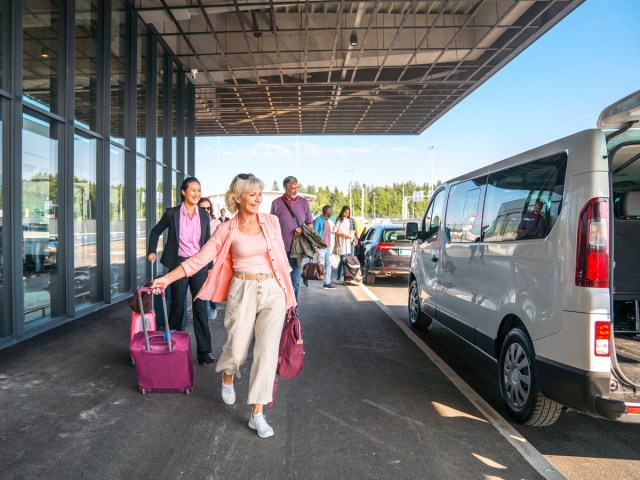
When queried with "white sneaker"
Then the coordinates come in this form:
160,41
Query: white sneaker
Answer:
228,394
259,422
214,313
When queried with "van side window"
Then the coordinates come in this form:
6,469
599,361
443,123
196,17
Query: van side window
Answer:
432,218
524,202
463,211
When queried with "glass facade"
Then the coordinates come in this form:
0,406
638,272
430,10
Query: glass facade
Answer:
90,165
43,276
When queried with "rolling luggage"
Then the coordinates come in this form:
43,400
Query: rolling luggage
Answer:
162,359
136,317
352,274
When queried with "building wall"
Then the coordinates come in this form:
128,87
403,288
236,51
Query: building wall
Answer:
96,126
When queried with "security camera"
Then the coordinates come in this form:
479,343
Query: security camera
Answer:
194,73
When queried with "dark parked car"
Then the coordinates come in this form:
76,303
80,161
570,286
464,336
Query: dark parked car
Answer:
384,251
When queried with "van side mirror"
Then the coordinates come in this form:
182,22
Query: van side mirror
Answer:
411,230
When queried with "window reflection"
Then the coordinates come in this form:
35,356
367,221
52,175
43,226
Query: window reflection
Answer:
160,110
117,221
43,284
118,59
86,63
141,219
159,202
43,53
5,323
142,70
85,251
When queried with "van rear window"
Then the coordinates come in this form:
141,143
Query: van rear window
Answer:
524,202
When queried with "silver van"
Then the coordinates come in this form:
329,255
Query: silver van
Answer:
535,260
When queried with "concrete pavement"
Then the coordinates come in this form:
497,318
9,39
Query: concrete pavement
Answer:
369,404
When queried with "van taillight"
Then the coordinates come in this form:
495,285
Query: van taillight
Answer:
602,339
385,247
592,259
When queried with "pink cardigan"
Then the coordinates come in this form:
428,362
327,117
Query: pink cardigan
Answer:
216,287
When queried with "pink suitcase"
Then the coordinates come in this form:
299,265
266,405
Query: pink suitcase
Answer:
162,359
136,323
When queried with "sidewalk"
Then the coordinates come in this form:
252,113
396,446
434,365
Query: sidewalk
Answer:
369,404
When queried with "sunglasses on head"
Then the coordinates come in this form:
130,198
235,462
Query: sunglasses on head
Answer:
245,176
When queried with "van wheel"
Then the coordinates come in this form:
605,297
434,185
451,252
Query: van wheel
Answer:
519,385
417,318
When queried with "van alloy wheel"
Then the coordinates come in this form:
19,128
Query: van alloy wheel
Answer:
518,383
417,318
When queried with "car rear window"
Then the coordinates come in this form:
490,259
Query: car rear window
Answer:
394,235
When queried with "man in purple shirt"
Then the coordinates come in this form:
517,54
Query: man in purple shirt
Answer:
189,230
293,211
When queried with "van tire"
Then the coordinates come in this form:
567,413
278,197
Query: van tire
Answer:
417,318
519,385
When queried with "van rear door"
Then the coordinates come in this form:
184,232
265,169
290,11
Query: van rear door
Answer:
621,124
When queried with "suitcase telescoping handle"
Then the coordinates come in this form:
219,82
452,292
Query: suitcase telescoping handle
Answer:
142,290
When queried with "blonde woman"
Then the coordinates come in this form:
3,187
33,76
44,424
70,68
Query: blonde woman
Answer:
251,274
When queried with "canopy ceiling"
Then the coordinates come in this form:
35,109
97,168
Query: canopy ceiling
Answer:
341,67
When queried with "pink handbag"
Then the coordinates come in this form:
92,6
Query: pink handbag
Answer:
291,352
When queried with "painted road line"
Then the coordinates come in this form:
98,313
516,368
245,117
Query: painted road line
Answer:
530,454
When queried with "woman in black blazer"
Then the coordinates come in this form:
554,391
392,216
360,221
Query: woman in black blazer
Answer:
177,251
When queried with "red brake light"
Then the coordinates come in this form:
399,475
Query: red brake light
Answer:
633,410
385,247
602,339
592,257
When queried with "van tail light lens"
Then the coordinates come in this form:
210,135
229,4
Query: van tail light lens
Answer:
592,259
633,410
385,247
602,339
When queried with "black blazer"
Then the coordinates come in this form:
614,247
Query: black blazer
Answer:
171,220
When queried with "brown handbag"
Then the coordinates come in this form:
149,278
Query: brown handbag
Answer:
147,299
313,270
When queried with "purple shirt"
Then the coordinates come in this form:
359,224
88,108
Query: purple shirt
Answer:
189,233
300,208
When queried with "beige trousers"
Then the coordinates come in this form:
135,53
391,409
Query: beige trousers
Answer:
254,308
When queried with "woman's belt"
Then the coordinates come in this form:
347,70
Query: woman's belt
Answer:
253,276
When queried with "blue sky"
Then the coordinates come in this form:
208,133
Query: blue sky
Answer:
556,87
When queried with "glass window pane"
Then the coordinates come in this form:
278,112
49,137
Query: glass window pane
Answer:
43,284
117,221
43,53
463,212
142,104
160,110
159,202
119,54
523,202
3,32
85,251
174,117
86,63
6,326
141,219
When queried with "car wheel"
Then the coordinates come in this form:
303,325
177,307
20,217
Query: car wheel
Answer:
417,318
519,385
369,278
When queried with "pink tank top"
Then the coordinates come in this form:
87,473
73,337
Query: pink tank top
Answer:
249,253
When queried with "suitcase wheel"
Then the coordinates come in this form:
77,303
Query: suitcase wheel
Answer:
187,391
143,391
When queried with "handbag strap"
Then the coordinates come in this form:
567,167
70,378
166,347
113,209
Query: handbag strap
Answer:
286,204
